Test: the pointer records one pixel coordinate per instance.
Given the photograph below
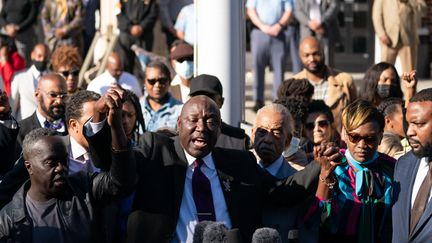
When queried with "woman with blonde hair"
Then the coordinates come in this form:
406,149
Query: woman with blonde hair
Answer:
355,205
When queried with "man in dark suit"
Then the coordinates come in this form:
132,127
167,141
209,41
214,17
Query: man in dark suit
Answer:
9,148
210,86
272,134
188,179
50,94
412,209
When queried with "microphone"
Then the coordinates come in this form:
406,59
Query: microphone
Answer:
215,233
199,231
266,235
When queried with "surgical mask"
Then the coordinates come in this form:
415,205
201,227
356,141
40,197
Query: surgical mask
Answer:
383,90
184,69
41,66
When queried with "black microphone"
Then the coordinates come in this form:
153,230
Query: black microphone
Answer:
266,235
215,233
199,231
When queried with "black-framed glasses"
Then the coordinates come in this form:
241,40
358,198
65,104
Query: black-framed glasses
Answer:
153,81
54,95
70,72
322,124
355,138
182,59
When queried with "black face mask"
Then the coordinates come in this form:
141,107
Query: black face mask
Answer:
41,66
383,90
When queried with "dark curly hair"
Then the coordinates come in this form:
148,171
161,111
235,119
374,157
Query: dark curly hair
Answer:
66,56
298,109
299,88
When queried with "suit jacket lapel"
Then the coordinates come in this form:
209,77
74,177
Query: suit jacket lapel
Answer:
228,186
428,211
180,166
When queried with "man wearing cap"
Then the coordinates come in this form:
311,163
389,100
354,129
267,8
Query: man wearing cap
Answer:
230,137
182,62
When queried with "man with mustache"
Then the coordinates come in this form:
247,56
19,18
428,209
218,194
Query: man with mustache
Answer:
50,94
412,209
336,88
187,180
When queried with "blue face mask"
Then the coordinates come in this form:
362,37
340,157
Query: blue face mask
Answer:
184,69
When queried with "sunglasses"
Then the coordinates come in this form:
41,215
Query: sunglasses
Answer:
355,138
67,73
182,59
153,81
321,124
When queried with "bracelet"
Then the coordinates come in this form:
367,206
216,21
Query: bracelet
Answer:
330,185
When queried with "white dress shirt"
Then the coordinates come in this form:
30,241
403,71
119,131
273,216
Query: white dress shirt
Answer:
102,83
421,175
42,120
79,159
188,214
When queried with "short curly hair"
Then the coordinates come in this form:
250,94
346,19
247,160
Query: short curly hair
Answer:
66,56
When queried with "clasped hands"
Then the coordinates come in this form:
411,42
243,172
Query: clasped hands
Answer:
328,156
110,105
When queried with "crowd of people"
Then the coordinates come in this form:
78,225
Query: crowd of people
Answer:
125,159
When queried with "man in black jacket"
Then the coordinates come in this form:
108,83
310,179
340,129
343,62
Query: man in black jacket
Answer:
53,207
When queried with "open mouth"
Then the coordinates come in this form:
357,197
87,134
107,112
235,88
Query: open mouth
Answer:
199,142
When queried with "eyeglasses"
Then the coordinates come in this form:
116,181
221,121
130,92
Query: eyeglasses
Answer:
153,81
56,95
182,59
67,73
355,138
321,124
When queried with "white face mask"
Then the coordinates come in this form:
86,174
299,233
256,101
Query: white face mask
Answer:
184,69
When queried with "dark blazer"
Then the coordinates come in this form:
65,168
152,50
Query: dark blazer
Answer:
29,124
9,148
233,138
404,178
246,187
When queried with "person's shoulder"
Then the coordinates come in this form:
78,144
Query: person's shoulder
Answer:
128,77
300,75
236,155
232,131
409,157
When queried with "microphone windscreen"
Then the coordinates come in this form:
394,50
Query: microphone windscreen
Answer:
135,225
199,231
266,235
215,233
234,236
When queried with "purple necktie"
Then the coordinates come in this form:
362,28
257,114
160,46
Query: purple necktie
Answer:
202,194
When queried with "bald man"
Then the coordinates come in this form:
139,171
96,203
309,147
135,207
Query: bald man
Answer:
334,87
115,74
24,84
51,94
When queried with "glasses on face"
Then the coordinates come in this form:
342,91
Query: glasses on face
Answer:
182,59
53,95
355,138
321,124
67,73
153,81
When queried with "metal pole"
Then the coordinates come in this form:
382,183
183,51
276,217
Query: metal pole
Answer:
220,51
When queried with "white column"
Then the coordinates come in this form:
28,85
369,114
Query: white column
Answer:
220,51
